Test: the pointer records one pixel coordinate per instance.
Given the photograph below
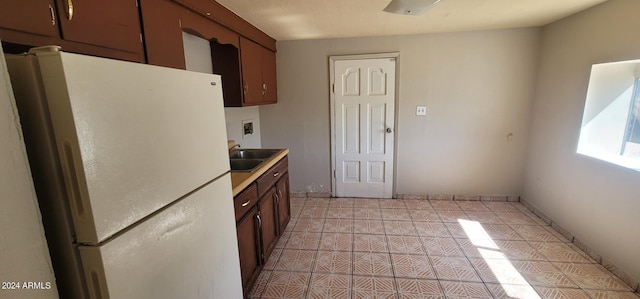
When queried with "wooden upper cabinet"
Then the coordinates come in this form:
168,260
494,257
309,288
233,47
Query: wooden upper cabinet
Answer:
258,73
34,16
111,24
162,33
101,28
251,62
269,77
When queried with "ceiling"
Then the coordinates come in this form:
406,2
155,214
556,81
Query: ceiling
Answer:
319,19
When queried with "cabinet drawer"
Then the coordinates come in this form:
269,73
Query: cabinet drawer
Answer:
270,177
244,201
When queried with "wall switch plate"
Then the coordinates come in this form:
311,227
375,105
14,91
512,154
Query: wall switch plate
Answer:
421,110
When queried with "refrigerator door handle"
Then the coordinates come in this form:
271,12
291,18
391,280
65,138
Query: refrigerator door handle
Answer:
75,193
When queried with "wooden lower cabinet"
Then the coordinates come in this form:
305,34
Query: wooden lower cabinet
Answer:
262,213
284,204
268,211
248,248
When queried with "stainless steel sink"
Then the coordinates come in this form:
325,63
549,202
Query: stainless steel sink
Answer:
245,164
253,153
250,159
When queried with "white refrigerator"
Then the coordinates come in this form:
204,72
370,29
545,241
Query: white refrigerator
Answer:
131,169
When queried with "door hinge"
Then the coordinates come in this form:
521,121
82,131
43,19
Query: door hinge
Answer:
333,88
334,174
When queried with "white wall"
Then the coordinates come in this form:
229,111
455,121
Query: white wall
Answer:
477,87
596,201
197,52
24,255
235,118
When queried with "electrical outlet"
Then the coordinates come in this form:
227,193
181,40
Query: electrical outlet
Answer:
421,110
247,128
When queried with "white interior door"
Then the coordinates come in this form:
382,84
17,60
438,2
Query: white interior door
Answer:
364,103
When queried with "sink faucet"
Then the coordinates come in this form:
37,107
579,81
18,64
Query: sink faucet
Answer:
236,145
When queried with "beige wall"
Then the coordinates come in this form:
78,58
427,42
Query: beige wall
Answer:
596,201
24,256
477,87
197,52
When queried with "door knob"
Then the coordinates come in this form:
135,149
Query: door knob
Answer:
389,130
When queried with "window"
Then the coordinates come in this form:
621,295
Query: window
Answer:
611,120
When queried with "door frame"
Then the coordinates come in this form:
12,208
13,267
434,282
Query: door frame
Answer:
332,109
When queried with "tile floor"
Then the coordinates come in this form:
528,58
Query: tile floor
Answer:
377,248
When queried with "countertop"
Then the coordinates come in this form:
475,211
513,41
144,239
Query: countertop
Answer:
242,179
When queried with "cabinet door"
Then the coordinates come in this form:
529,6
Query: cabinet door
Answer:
162,33
34,16
112,24
248,248
268,223
284,205
269,77
251,64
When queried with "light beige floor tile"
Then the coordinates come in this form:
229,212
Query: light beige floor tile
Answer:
401,228
454,268
336,241
287,285
338,226
600,294
366,203
405,244
366,226
325,286
592,276
561,252
436,246
412,266
342,202
340,212
372,264
395,214
302,240
417,204
444,205
333,262
562,293
511,291
535,233
367,213
370,243
392,204
295,260
309,225
373,287
431,229
370,248
419,288
484,217
424,215
457,289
